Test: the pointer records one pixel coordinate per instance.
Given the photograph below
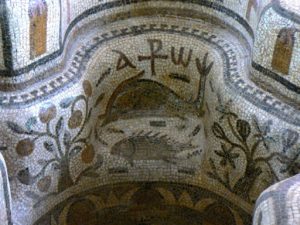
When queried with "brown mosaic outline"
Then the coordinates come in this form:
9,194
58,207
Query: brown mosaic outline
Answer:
276,6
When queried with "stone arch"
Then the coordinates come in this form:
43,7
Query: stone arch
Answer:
38,13
283,50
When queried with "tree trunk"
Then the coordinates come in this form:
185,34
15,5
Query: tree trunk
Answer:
65,181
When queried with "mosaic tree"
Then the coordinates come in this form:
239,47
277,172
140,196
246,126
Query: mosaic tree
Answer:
62,138
243,139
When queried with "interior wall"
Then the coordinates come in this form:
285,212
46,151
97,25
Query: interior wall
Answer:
19,28
64,15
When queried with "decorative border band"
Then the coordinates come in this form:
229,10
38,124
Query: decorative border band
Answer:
289,85
232,77
111,5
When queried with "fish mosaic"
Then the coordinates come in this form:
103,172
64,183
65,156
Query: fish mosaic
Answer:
149,146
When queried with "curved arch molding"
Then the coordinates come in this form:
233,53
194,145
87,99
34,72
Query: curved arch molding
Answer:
5,207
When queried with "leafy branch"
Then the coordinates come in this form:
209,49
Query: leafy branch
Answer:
240,137
58,141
